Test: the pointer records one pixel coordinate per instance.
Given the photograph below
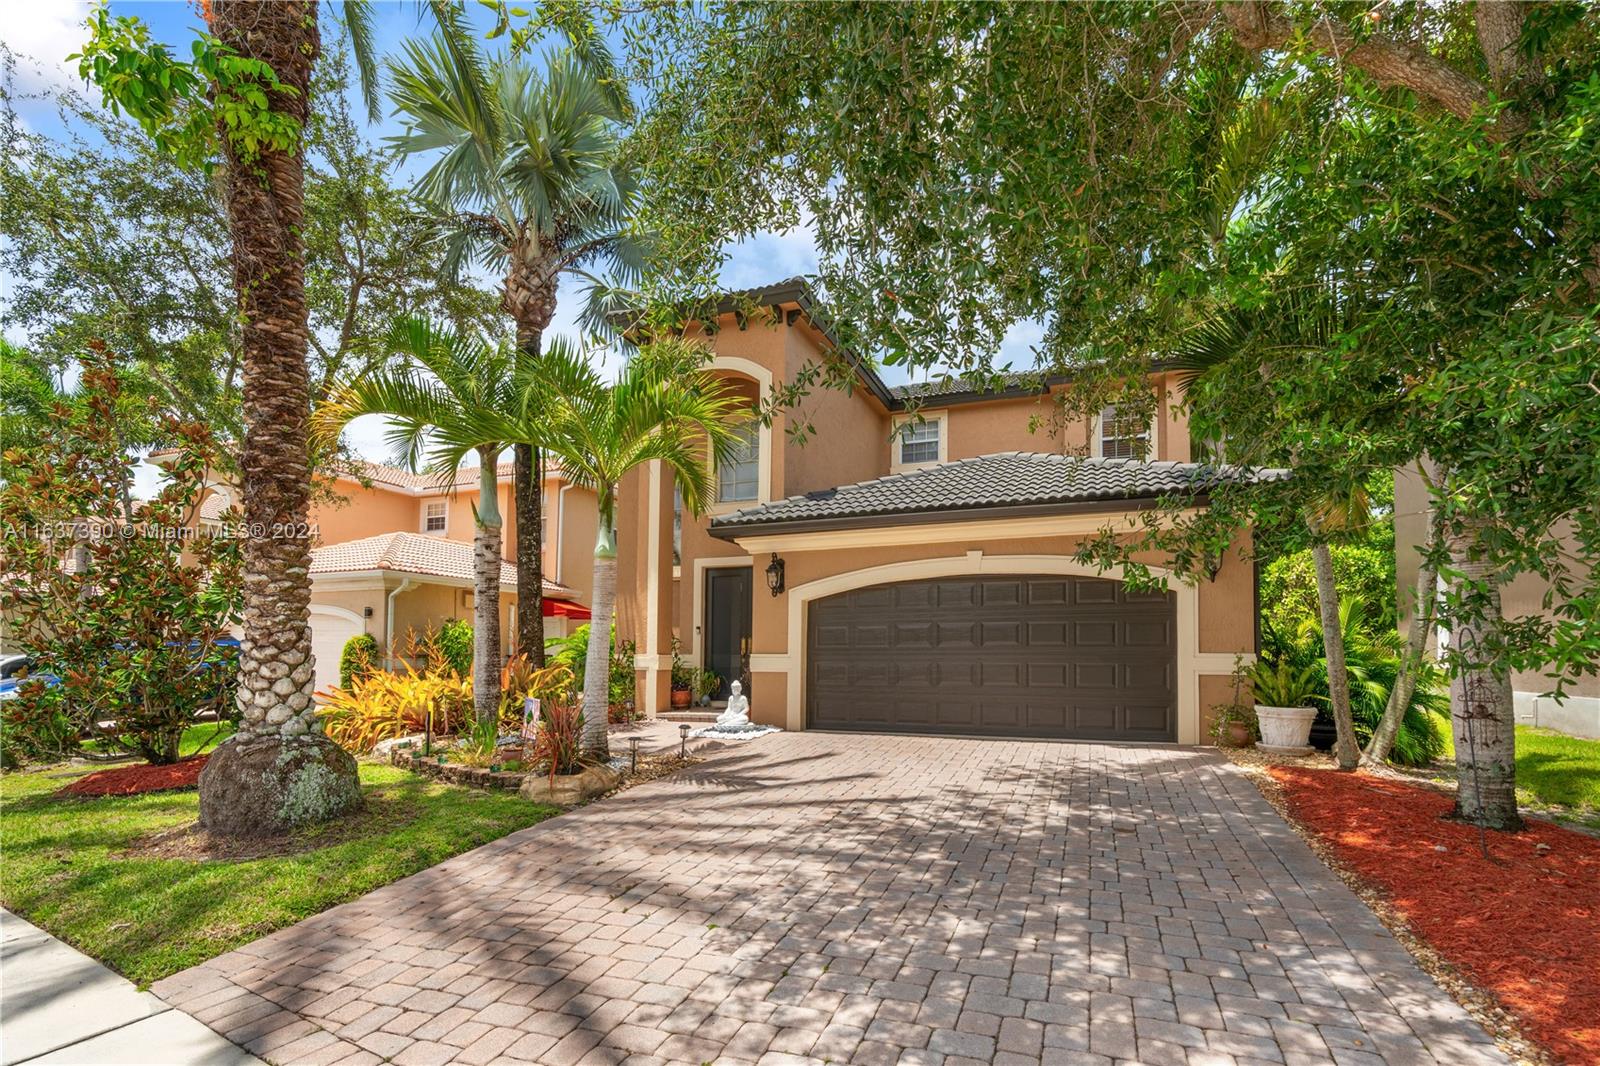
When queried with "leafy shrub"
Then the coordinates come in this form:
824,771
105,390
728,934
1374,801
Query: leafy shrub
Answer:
560,738
455,645
1372,661
1365,574
622,676
36,727
385,705
683,674
359,658
477,746
572,651
519,679
124,604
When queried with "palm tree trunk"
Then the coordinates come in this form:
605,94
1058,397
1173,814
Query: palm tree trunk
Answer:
255,784
1345,749
1405,681
486,549
528,493
597,663
1482,717
531,302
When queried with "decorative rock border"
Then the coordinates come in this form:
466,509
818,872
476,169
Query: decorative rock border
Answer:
471,776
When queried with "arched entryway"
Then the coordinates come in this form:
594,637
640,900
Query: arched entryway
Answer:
1025,655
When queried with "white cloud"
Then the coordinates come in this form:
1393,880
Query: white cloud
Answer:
43,33
364,436
1016,347
771,256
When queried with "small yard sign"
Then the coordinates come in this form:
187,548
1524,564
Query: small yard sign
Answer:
530,718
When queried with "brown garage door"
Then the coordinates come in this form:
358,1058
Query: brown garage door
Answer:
1006,656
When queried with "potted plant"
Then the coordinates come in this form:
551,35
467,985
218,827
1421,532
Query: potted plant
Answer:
1283,696
683,679
1234,723
706,682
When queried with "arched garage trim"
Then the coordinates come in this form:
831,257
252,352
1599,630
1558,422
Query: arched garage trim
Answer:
1191,661
339,612
359,625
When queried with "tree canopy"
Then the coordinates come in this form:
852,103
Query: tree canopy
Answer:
106,239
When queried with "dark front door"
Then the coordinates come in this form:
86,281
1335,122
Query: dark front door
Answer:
727,622
1025,656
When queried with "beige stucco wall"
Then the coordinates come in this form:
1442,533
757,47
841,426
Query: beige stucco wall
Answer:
1036,424
369,511
569,555
849,432
1001,426
361,512
420,607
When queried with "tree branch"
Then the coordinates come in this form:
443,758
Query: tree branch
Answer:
1258,26
1499,24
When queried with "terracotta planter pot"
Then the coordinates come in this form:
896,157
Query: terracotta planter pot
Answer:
1284,730
1239,734
681,698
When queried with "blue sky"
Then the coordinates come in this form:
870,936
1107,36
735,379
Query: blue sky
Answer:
49,30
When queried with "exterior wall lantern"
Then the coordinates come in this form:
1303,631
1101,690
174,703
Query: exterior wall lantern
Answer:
775,575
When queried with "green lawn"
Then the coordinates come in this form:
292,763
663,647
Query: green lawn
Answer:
1559,769
148,917
196,738
1556,773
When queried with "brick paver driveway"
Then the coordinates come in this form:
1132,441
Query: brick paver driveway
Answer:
852,899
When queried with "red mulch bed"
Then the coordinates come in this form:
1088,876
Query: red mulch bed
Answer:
1524,925
136,780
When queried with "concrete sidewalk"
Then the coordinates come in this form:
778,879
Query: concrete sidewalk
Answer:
57,1005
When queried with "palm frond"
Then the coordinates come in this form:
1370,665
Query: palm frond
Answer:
357,18
460,42
1214,340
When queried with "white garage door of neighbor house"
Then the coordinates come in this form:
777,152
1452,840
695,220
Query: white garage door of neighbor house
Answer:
330,628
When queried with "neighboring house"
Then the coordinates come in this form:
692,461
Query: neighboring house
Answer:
1578,713
923,559
400,584
392,554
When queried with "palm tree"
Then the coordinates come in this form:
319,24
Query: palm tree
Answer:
1303,322
664,407
449,397
278,770
527,183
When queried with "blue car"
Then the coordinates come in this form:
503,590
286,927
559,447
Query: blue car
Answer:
15,671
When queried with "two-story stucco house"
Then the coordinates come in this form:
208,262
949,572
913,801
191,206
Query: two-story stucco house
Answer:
912,571
392,555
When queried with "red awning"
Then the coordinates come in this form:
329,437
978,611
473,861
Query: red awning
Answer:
554,608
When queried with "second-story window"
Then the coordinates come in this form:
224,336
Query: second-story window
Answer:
1123,436
433,516
738,476
919,442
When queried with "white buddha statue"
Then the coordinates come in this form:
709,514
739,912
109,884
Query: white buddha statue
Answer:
736,717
